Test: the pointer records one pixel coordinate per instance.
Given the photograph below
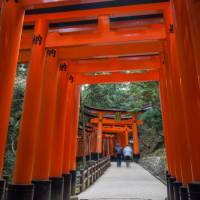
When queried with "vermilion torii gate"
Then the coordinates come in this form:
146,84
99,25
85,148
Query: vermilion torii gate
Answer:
104,122
95,36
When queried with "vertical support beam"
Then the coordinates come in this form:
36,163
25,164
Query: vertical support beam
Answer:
168,130
58,135
111,147
74,135
99,135
189,77
94,145
192,13
108,147
67,140
11,22
45,128
187,71
25,150
136,148
126,136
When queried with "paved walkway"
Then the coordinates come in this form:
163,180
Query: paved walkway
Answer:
133,183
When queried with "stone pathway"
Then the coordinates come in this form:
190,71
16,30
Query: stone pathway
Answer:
123,183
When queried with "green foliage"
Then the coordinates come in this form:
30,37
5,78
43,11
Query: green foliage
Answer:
132,97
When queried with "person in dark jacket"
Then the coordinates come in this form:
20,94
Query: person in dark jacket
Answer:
118,152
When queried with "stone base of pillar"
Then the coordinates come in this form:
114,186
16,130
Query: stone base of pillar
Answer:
112,158
67,186
136,157
176,187
20,192
100,156
94,156
79,159
73,183
171,188
167,180
57,187
2,188
183,193
87,157
42,190
194,191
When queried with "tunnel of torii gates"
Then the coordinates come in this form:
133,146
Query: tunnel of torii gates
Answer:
106,128
67,44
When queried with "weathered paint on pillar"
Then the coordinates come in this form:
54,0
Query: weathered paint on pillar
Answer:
11,23
60,122
28,127
45,128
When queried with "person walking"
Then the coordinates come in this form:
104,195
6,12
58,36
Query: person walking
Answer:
118,151
128,155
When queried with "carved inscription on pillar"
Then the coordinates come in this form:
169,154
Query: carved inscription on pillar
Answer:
51,52
71,78
63,67
37,39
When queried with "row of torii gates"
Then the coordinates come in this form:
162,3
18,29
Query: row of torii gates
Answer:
67,43
107,127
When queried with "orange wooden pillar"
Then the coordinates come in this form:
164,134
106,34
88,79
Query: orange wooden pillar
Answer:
186,18
56,171
45,128
126,135
112,154
67,139
94,145
166,116
74,135
190,79
173,137
168,130
26,142
136,147
187,84
99,135
11,22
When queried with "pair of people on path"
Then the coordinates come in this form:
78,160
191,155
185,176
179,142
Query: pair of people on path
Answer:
127,153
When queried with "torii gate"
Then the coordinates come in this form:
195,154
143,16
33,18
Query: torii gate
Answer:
178,74
133,122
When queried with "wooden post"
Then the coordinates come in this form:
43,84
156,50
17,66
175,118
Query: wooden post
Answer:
99,135
126,135
67,140
11,22
45,128
25,150
189,75
58,135
183,171
94,144
136,148
74,134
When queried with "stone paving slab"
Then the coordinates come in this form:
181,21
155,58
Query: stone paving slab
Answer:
123,183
